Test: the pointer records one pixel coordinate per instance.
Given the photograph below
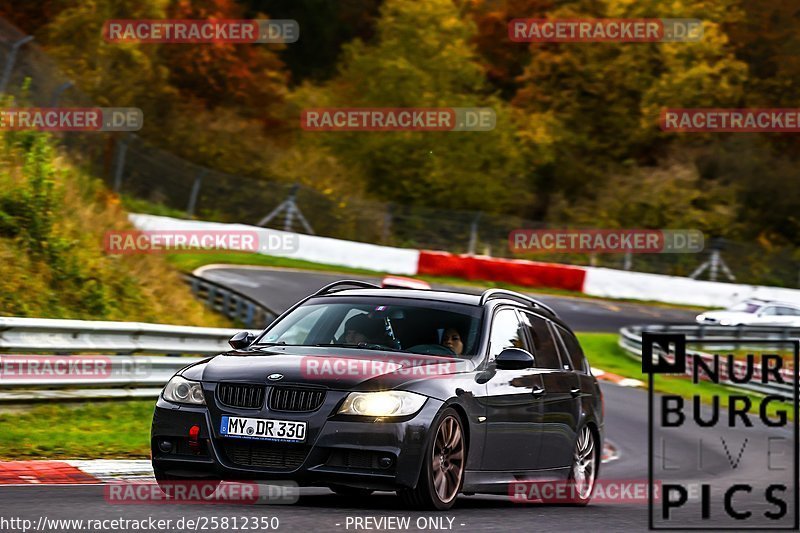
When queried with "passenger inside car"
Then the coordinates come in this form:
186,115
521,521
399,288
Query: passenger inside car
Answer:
451,338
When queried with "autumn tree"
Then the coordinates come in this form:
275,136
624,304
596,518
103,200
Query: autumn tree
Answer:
422,57
604,100
249,77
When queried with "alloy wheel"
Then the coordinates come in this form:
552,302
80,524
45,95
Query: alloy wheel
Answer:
448,459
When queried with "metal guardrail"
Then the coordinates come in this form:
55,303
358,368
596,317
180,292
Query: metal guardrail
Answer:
723,338
48,335
108,371
231,303
121,374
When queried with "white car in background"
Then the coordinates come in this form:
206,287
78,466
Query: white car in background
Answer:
754,313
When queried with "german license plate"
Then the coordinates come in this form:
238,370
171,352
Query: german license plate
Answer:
262,429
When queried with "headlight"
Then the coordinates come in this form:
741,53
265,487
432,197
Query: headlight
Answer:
180,390
388,403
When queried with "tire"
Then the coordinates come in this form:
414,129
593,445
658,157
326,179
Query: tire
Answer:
350,492
583,473
167,482
442,474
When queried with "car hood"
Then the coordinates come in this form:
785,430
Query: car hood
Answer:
345,369
729,316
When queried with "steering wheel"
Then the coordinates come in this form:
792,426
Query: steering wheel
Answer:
432,349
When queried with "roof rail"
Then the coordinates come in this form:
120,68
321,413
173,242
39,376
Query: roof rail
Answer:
355,283
490,294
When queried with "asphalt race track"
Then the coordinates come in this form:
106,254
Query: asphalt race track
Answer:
321,510
280,288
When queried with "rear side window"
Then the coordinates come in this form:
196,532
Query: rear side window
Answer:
546,353
574,350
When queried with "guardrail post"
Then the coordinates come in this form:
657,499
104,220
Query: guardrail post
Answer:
212,293
226,301
237,315
248,319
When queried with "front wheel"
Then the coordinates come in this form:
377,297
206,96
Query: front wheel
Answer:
583,474
442,472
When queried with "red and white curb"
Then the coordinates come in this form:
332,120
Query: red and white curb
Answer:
74,472
622,381
103,471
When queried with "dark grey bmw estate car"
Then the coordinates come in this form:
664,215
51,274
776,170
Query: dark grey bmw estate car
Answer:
362,388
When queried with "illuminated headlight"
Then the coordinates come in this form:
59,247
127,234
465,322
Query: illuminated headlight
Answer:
380,404
180,390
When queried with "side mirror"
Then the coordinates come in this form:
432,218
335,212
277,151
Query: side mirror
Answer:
514,359
241,340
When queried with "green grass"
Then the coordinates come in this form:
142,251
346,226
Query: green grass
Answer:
98,430
188,262
604,353
138,205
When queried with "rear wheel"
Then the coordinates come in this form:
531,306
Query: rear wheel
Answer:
583,474
442,472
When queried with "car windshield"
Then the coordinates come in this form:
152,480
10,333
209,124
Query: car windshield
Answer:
390,324
745,307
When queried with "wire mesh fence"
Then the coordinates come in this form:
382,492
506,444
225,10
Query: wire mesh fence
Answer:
132,167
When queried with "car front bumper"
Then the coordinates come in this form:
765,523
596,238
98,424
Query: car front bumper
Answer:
338,450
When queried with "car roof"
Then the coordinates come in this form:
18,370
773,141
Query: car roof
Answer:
417,294
443,296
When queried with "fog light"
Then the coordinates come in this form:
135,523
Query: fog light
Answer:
194,439
385,462
165,446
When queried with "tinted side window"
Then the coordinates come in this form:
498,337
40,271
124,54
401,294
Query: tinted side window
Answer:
546,354
575,352
787,311
506,333
770,311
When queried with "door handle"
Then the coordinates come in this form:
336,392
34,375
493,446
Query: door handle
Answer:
575,391
538,391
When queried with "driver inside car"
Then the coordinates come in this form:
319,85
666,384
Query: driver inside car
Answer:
362,329
451,338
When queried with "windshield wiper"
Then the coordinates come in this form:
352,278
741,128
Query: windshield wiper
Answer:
361,345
